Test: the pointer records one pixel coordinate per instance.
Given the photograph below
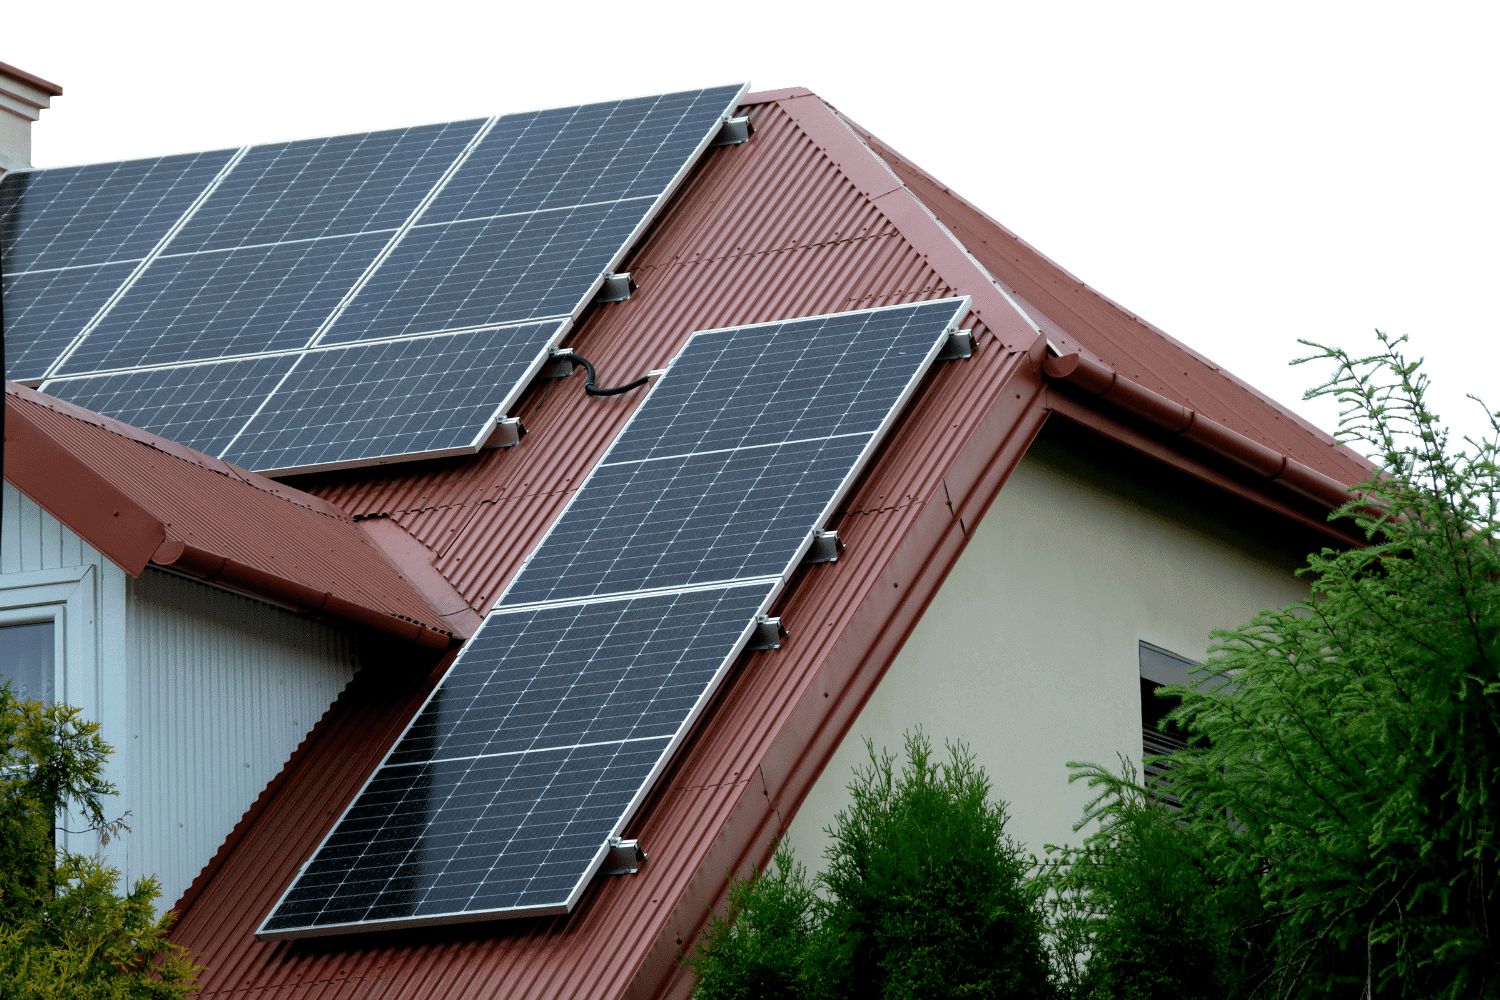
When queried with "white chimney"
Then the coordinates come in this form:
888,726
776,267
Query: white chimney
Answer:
22,98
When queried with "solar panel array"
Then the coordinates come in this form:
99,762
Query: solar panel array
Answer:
211,297
549,729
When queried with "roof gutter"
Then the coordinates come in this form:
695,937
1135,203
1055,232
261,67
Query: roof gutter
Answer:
1107,384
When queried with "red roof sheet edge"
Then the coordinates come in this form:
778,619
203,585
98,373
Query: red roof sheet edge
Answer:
132,536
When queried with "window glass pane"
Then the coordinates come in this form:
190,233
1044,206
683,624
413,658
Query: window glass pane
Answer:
27,659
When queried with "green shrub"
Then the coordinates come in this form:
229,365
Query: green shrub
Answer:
924,896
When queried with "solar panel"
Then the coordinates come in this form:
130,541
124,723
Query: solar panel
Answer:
374,402
293,247
549,729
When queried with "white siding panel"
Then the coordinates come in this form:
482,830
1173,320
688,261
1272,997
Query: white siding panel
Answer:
222,689
32,539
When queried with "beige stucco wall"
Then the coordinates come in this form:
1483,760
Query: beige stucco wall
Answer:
1029,650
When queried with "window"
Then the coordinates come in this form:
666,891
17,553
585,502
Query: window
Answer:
1160,667
28,659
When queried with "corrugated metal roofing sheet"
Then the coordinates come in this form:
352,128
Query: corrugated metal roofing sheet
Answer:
180,503
778,227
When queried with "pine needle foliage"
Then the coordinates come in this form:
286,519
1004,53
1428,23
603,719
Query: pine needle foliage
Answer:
65,934
924,896
928,894
761,947
1344,782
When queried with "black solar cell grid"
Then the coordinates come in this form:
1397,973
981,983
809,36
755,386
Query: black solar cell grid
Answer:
581,155
371,401
466,274
787,381
688,520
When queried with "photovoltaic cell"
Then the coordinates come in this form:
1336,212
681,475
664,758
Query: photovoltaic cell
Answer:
202,406
363,403
45,310
548,730
543,735
200,306
72,216
335,186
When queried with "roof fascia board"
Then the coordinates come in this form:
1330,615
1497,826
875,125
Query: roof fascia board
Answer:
88,504
917,225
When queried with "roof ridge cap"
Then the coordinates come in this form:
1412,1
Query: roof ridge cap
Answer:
175,450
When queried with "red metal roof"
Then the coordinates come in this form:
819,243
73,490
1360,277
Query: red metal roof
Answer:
803,219
141,499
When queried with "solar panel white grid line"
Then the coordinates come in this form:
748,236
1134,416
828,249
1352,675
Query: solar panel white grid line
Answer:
274,243
145,262
738,447
403,229
529,211
72,267
518,753
288,351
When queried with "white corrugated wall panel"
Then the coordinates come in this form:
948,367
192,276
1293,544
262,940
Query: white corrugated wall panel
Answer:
32,539
222,688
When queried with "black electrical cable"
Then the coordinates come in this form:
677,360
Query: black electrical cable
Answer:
593,390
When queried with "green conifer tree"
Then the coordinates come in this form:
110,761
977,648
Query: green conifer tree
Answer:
65,933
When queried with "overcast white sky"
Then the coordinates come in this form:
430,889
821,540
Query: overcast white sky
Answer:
1240,175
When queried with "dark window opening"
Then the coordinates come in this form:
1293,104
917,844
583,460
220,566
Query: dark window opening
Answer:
1159,667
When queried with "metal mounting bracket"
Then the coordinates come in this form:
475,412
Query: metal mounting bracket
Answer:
824,549
559,364
624,857
767,635
616,288
507,433
733,132
960,345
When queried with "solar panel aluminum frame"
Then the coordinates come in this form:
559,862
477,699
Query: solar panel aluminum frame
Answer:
566,321
775,584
